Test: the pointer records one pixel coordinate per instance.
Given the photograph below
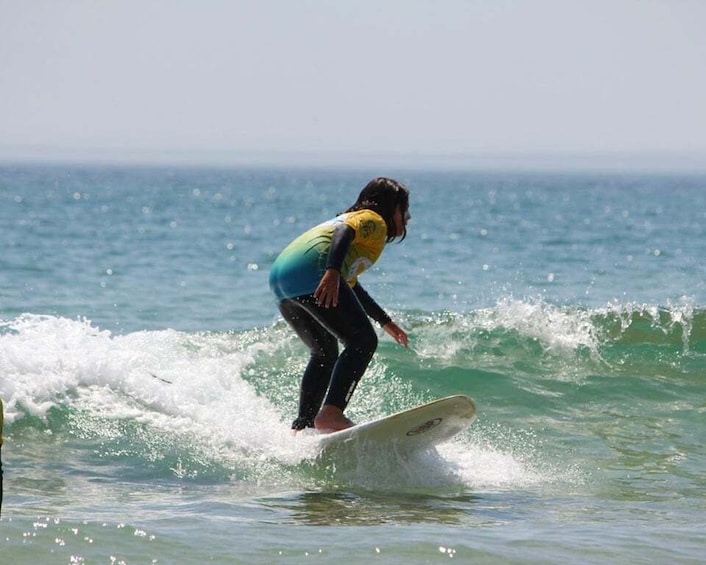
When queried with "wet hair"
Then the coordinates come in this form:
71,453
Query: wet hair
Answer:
383,195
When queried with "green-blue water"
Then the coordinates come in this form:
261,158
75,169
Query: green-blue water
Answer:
149,383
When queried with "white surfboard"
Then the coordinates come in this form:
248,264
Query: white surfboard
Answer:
411,430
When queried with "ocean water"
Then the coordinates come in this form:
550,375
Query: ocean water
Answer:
149,383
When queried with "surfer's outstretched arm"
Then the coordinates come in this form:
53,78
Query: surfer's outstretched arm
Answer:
397,333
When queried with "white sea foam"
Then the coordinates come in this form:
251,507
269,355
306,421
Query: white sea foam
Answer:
189,384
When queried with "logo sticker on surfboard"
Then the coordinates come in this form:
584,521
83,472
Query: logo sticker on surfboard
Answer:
425,427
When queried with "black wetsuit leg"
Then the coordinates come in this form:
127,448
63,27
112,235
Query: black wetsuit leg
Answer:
323,349
320,328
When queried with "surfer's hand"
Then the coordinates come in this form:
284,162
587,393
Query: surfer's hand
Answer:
397,333
326,293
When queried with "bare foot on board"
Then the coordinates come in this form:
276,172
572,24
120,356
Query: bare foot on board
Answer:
331,419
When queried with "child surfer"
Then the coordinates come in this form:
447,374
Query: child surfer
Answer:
315,279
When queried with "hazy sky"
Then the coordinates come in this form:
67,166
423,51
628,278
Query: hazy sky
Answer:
226,78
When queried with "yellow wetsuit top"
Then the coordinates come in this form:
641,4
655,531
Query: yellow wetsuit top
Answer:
299,268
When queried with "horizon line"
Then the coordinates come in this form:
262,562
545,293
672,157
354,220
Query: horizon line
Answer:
630,161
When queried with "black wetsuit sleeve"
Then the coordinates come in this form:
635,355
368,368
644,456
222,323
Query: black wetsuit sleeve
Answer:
371,307
341,241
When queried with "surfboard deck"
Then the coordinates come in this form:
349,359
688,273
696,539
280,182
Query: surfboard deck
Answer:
415,429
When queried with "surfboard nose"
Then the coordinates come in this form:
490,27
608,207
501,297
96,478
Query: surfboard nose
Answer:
415,429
